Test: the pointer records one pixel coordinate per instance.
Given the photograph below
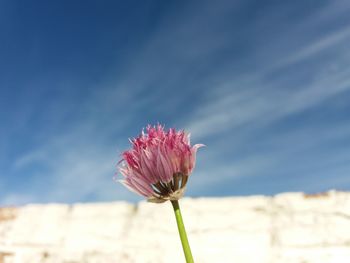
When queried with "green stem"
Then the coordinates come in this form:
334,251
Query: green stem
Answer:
182,232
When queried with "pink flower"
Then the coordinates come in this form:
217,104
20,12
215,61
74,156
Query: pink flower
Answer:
158,164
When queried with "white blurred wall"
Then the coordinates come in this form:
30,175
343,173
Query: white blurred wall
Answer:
290,227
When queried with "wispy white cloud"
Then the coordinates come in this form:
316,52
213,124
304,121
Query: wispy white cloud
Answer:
301,152
259,101
330,42
74,171
242,106
79,164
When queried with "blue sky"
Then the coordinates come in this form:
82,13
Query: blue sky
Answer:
265,85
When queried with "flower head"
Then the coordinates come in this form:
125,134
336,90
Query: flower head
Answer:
158,164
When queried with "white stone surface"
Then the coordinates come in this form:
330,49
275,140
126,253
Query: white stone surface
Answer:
287,228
